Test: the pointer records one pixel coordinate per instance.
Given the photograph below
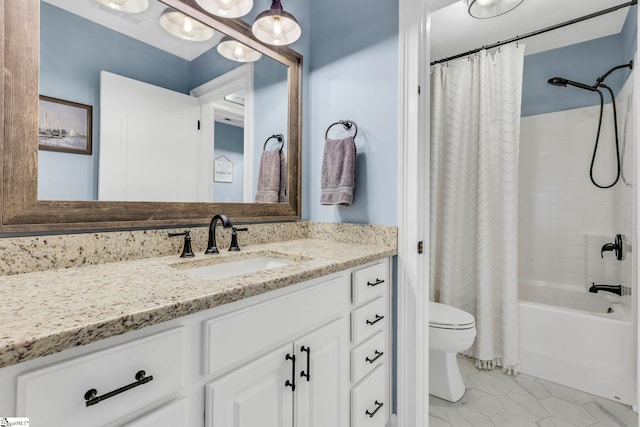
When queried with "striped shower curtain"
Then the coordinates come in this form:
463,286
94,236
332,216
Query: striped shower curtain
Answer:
475,137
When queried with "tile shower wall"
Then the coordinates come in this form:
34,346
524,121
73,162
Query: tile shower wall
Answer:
563,217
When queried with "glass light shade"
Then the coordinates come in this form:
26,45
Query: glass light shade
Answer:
276,27
227,8
482,9
184,27
129,6
236,51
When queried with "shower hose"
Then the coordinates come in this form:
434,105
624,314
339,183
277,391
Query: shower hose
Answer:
615,127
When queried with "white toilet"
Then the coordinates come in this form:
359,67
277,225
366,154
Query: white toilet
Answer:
451,331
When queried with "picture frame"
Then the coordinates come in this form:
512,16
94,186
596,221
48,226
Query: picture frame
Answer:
64,126
222,169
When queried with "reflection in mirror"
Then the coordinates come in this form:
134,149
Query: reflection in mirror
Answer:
229,138
164,108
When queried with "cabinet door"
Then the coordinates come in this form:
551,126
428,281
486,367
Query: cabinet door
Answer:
322,398
254,395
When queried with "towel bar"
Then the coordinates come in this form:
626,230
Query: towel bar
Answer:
347,124
279,137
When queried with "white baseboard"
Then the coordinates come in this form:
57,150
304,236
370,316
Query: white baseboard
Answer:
393,421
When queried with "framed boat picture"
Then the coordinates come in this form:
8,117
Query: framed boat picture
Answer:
64,126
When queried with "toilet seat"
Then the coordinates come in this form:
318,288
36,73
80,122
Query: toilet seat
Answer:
442,316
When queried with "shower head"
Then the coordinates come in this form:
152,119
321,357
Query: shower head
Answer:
559,81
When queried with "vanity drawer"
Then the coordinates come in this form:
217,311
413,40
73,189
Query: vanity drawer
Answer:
369,406
367,356
55,396
368,320
369,283
233,339
173,414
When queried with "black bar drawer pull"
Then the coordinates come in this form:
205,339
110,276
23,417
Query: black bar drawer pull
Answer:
92,398
376,283
307,374
291,383
378,355
378,406
376,320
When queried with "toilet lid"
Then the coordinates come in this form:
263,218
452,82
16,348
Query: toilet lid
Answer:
447,317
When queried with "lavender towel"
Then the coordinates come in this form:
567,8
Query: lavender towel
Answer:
338,172
269,177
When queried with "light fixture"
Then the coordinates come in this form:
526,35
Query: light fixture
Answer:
482,9
227,8
129,6
276,27
184,27
236,51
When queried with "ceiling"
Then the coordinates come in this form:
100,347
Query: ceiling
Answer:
143,26
454,31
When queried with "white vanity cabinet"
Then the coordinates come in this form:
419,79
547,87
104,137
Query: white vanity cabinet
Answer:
314,354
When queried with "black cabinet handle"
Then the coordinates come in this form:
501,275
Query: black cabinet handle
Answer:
376,283
378,355
92,398
376,320
378,406
291,383
307,374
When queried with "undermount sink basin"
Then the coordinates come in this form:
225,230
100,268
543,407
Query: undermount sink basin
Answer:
235,268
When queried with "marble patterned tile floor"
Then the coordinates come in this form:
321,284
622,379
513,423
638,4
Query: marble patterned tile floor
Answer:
493,399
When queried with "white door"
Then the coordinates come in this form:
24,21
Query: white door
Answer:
254,395
149,143
322,398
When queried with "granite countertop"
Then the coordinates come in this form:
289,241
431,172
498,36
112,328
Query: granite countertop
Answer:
49,311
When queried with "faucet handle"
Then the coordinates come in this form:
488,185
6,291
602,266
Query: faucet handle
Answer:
234,238
619,247
187,252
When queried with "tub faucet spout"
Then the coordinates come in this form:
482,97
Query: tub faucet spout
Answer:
616,289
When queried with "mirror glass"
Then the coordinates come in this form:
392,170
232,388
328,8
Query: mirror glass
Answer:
129,112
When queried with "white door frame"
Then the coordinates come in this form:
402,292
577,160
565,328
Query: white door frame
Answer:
413,211
636,229
237,79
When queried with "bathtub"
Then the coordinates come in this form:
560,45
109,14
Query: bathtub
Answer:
578,339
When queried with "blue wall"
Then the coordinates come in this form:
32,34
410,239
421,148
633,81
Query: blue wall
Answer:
581,62
354,75
229,141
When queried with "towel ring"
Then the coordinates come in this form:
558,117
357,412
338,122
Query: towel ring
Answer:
279,137
346,124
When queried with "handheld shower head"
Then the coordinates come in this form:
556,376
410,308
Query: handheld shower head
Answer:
560,81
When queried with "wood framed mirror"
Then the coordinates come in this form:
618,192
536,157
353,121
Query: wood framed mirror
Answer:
21,209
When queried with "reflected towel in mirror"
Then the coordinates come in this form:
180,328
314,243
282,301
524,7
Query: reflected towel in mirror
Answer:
269,177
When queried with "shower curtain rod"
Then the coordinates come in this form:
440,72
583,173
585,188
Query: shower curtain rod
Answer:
535,33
